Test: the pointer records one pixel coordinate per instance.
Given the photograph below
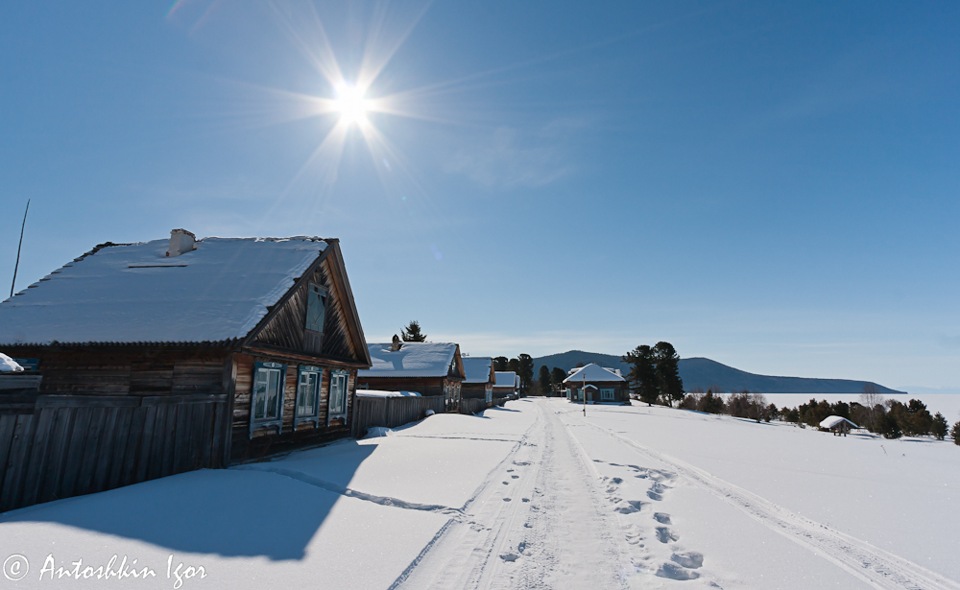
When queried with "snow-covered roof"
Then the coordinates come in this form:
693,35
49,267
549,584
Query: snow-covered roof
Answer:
8,365
384,393
414,359
477,368
834,421
593,372
133,293
507,379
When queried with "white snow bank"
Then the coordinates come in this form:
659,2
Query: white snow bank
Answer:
384,393
378,431
8,365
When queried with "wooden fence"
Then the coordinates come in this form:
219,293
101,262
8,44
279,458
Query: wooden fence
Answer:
57,446
472,405
391,411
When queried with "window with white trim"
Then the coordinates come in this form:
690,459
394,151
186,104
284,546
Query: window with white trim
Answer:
308,393
266,399
337,406
607,394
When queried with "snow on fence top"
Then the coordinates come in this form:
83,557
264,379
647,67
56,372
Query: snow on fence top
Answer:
593,372
477,368
414,359
8,365
383,393
135,293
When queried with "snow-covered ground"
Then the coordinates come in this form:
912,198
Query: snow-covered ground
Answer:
534,495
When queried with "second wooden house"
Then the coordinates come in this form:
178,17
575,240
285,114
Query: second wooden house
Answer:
480,378
428,368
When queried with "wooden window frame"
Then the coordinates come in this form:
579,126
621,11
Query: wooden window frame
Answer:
331,415
608,391
314,416
268,422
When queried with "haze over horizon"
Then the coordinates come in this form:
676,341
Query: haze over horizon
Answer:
770,186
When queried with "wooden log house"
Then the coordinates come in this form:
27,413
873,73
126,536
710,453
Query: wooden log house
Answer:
171,355
506,385
479,380
428,368
599,384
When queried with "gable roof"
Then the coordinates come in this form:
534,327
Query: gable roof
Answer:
477,369
134,293
414,359
834,421
507,379
593,372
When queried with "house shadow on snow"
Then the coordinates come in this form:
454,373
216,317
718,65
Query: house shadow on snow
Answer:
271,509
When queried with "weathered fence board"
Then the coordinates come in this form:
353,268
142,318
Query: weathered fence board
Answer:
61,446
391,411
472,405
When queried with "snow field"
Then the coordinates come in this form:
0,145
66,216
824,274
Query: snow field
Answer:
534,495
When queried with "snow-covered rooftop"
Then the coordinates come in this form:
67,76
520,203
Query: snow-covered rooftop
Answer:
834,421
414,359
507,379
134,293
8,365
593,372
477,368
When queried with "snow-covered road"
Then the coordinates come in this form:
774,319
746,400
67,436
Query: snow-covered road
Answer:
536,521
558,513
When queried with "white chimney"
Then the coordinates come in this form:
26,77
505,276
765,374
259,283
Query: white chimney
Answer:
181,242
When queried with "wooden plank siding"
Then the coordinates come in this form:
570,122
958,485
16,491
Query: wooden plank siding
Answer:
71,445
286,330
127,370
292,433
474,390
391,412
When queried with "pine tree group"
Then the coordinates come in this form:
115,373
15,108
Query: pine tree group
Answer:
655,373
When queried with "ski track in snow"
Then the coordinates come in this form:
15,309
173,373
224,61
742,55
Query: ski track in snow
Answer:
516,530
871,564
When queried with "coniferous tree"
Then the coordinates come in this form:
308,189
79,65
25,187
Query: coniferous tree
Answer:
955,433
525,371
889,427
642,376
500,363
557,375
543,380
412,333
667,368
939,426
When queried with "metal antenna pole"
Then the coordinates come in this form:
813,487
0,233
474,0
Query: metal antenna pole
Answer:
19,246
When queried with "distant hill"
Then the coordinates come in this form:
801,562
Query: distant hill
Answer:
703,373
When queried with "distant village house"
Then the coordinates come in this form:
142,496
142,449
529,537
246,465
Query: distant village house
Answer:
597,384
429,368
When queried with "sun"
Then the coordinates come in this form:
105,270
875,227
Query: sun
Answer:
351,104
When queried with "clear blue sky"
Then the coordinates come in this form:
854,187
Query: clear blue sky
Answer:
771,185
